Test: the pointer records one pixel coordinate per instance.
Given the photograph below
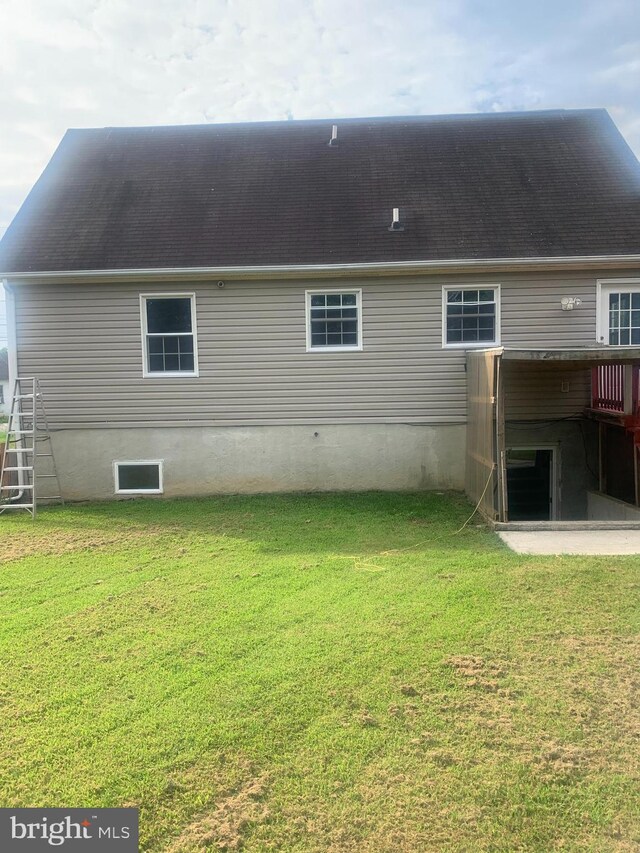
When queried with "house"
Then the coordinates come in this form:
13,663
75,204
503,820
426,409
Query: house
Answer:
401,303
5,398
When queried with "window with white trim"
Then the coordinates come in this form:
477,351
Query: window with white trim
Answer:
619,314
138,477
334,320
470,316
168,324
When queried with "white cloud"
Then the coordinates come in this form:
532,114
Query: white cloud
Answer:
573,54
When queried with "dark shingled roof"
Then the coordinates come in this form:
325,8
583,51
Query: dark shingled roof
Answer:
511,185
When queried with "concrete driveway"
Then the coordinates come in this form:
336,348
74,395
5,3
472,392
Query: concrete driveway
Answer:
572,541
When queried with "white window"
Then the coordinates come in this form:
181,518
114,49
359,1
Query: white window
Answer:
619,312
138,477
470,316
169,334
334,320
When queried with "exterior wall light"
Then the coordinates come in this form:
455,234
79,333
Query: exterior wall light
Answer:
568,303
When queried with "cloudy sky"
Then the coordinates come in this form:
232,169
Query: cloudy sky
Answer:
88,63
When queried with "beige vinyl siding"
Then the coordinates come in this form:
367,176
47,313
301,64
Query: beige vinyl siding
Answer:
532,318
84,342
536,391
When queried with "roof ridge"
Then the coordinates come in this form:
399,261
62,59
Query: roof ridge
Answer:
391,119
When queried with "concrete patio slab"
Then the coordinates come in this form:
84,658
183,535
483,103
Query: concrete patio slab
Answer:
604,542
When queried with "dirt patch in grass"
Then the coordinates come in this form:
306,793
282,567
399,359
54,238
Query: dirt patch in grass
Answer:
597,677
477,672
604,693
560,760
225,827
489,726
27,543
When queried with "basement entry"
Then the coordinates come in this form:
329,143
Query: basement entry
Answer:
531,483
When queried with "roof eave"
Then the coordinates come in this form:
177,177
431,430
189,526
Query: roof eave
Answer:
332,269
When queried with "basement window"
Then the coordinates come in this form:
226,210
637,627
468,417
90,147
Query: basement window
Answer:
334,320
470,316
169,334
138,477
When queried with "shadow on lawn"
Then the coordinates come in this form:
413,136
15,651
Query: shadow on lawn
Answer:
366,523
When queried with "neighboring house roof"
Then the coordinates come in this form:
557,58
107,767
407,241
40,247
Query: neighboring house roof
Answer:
4,365
511,185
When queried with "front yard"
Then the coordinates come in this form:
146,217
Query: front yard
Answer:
318,673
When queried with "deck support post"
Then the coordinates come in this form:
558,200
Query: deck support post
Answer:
628,389
501,453
601,476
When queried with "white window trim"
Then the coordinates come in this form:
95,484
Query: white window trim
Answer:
604,286
475,344
174,374
116,478
329,290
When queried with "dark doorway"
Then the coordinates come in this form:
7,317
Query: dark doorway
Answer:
530,483
618,457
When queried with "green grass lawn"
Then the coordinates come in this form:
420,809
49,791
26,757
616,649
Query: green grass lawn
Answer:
318,673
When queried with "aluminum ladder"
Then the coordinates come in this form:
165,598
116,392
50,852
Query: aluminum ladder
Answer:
28,441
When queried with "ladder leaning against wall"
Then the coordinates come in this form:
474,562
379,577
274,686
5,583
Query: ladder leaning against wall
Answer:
28,464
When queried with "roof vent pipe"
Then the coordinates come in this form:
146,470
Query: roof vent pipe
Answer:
334,135
396,225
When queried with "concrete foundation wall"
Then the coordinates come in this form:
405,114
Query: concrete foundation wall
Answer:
218,460
604,508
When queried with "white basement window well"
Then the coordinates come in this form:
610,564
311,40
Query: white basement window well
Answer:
138,477
334,320
470,316
169,340
619,312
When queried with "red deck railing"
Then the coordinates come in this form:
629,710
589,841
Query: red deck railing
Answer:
608,383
